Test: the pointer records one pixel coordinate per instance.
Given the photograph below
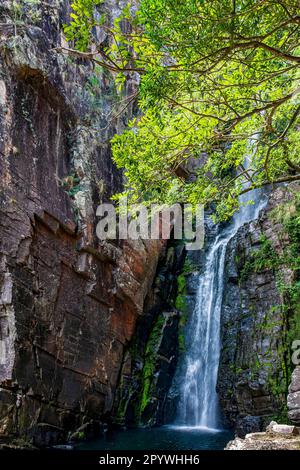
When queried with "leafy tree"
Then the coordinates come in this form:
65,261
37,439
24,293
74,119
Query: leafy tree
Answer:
219,84
83,20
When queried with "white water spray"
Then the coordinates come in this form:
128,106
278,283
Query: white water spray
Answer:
199,401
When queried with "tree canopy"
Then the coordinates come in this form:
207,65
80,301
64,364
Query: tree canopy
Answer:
219,84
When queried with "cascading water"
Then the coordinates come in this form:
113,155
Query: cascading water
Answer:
199,401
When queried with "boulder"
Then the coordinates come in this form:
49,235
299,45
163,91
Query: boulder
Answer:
283,429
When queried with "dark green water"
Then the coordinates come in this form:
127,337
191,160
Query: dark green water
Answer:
163,438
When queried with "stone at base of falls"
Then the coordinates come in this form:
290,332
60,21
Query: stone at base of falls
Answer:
251,325
276,437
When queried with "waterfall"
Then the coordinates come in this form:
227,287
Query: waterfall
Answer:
198,404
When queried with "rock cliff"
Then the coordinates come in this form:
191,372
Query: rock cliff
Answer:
68,302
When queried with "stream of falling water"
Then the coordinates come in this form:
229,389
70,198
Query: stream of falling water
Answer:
198,406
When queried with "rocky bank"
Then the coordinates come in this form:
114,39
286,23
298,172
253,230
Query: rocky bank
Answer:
93,332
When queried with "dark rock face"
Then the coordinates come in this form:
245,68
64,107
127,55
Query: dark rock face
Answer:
68,302
254,367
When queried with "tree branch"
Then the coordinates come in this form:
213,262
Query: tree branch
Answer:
284,179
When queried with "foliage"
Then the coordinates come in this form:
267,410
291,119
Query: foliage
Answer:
292,291
289,214
219,83
189,267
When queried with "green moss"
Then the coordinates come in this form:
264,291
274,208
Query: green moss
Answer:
269,323
237,259
81,435
294,328
291,291
181,303
123,403
264,258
